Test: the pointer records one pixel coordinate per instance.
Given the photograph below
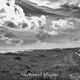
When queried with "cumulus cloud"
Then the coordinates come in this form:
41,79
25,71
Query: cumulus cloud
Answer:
13,19
63,24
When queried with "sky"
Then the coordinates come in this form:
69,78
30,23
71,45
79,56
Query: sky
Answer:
31,30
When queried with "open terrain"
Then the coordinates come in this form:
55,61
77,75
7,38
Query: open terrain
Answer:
56,64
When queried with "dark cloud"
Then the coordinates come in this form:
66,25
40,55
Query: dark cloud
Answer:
29,9
1,37
9,35
42,36
76,39
24,25
76,13
64,11
6,33
2,11
10,24
33,9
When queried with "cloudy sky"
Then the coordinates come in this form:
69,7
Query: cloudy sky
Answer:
39,24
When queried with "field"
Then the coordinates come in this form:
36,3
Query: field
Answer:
56,64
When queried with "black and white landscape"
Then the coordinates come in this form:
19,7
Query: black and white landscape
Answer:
39,40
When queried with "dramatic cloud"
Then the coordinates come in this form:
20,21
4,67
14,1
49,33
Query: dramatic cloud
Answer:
56,4
15,25
15,19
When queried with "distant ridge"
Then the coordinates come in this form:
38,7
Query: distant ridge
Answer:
35,50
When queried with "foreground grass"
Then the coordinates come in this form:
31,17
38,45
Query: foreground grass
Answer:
63,64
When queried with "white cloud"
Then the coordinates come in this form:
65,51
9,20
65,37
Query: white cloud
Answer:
55,4
46,3
62,24
35,24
